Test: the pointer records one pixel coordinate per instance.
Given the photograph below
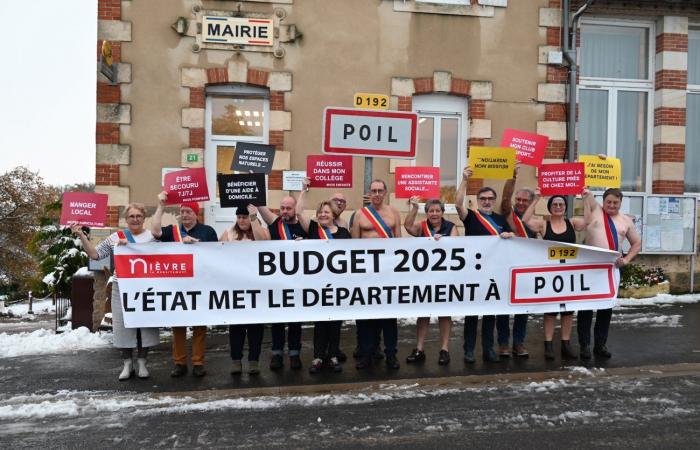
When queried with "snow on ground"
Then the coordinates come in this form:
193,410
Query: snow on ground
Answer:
658,300
46,341
40,306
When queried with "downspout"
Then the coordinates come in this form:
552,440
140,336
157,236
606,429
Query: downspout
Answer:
569,39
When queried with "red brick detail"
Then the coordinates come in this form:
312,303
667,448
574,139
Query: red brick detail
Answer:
257,77
477,109
668,187
555,150
196,137
217,75
423,85
476,142
107,133
276,138
460,87
557,75
671,42
669,116
671,79
112,216
276,100
405,103
197,98
116,51
107,174
109,9
669,152
274,180
555,112
107,93
554,36
554,4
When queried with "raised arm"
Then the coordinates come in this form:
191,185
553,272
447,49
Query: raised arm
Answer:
507,194
589,206
397,222
461,193
303,221
157,219
259,233
409,223
267,215
529,218
88,246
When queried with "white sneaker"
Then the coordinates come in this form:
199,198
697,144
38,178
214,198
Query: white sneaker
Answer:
128,370
142,371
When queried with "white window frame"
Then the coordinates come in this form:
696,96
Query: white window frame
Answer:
445,105
613,86
692,89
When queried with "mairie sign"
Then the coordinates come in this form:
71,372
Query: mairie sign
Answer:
237,30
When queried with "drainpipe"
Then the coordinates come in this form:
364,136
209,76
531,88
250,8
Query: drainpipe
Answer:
569,38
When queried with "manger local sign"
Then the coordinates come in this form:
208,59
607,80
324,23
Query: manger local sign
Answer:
237,30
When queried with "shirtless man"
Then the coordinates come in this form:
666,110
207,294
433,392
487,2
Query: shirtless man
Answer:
375,221
599,221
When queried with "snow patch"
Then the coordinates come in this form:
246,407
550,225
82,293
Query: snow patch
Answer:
44,341
659,299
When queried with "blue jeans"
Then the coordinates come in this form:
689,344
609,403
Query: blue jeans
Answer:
369,331
487,325
519,329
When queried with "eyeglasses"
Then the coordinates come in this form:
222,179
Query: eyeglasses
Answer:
377,191
135,216
558,205
339,200
487,199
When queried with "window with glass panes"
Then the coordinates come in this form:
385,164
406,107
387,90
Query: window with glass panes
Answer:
692,114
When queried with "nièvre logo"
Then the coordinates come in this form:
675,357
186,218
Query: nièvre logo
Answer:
154,266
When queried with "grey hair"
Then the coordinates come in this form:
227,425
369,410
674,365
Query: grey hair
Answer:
432,202
530,192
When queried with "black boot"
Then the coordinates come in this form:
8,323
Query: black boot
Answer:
601,351
585,352
548,350
566,351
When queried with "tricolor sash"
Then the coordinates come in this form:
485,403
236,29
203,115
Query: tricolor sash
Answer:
377,222
126,234
284,231
610,232
520,230
487,222
179,233
324,233
427,230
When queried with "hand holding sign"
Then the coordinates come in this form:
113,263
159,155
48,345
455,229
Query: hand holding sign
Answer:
602,171
417,181
242,190
189,185
492,162
529,147
561,179
254,158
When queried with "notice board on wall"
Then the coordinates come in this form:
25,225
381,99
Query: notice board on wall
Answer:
670,225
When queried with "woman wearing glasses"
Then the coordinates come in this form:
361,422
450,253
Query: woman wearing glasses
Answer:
559,229
127,339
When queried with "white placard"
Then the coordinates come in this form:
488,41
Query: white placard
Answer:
291,180
173,284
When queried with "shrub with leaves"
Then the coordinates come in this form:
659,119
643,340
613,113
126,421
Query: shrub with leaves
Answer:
637,275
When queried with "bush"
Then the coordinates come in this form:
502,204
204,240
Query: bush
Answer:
637,275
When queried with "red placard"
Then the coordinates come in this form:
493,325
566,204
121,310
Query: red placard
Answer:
529,147
421,181
329,171
155,266
188,185
561,179
85,208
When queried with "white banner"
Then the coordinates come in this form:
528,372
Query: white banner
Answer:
173,284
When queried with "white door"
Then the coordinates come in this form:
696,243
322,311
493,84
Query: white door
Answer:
233,114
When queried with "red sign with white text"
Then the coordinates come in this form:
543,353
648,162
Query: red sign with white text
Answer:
328,171
85,208
154,266
561,179
188,185
421,181
529,147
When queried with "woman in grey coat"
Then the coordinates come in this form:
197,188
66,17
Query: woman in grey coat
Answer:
127,339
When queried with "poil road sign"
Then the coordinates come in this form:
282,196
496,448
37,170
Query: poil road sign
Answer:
386,134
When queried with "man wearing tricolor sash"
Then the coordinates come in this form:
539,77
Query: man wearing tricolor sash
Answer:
482,221
606,228
188,231
377,220
284,227
514,215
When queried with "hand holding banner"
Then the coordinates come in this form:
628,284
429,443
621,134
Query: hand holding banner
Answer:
529,147
189,185
602,172
495,163
561,179
421,181
84,208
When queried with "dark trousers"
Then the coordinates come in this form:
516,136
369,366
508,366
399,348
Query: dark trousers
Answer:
327,339
369,333
487,326
600,331
293,338
236,337
519,329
